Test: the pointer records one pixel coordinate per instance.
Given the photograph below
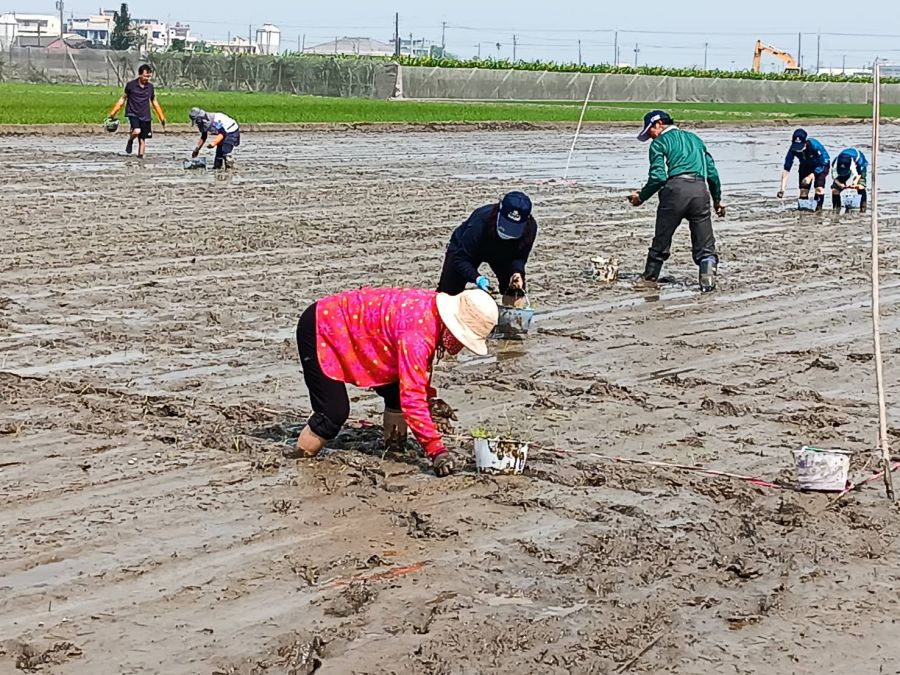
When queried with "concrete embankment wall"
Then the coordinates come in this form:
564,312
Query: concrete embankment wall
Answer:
459,83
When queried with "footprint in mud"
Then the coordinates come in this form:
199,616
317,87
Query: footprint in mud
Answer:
33,657
352,600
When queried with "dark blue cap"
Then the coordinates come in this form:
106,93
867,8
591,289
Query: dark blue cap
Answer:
798,140
843,164
652,118
515,209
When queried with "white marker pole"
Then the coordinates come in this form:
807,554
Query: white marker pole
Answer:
578,128
876,301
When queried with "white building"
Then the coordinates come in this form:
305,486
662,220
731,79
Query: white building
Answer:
352,46
37,25
416,47
268,37
237,45
154,34
9,31
97,28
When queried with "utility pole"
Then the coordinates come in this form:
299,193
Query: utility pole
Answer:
479,50
705,53
59,6
800,51
299,48
637,50
579,53
616,49
249,37
443,37
844,64
498,51
514,47
818,53
397,34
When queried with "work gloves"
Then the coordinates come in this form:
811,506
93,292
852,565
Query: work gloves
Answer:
483,283
443,464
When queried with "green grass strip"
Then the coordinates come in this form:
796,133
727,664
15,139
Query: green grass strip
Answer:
56,104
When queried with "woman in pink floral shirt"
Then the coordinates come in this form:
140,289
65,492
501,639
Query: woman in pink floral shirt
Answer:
385,339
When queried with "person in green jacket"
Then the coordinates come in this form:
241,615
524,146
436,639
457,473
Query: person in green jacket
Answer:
684,174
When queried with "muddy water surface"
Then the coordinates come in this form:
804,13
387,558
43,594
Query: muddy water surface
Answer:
150,379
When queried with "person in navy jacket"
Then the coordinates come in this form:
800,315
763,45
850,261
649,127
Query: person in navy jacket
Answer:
814,166
851,170
500,234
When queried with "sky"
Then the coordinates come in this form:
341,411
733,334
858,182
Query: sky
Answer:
677,34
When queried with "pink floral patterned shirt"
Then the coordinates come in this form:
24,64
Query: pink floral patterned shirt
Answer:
375,336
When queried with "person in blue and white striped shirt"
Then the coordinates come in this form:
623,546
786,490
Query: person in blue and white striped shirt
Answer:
225,131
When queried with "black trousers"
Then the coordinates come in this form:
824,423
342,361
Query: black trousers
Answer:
684,197
329,400
453,283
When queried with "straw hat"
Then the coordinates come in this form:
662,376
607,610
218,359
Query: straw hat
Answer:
470,317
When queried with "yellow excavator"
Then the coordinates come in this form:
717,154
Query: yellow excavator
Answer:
790,63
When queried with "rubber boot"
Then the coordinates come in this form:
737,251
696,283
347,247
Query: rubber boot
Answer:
229,162
708,270
836,202
820,202
309,444
395,429
863,201
652,269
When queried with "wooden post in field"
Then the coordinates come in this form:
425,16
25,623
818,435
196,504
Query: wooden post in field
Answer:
876,301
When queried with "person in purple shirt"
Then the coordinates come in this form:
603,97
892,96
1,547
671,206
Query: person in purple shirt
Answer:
140,98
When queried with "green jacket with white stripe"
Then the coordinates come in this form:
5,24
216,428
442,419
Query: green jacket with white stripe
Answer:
676,152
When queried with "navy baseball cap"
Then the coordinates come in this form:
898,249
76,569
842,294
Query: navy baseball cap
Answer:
843,165
652,118
515,209
798,140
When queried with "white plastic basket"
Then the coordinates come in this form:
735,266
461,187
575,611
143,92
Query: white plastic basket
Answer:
851,199
496,455
194,163
822,470
806,204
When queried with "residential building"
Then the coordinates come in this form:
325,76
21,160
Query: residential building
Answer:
9,31
36,30
237,45
417,47
97,28
154,34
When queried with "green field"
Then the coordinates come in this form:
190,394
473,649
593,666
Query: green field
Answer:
54,104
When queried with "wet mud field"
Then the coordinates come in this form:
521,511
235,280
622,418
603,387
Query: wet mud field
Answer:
150,379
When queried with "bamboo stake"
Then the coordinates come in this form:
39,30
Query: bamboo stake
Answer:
876,300
578,128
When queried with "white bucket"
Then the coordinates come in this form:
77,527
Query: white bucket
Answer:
194,163
806,204
822,470
495,455
851,199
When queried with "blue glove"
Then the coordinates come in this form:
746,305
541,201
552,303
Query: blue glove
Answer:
483,283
